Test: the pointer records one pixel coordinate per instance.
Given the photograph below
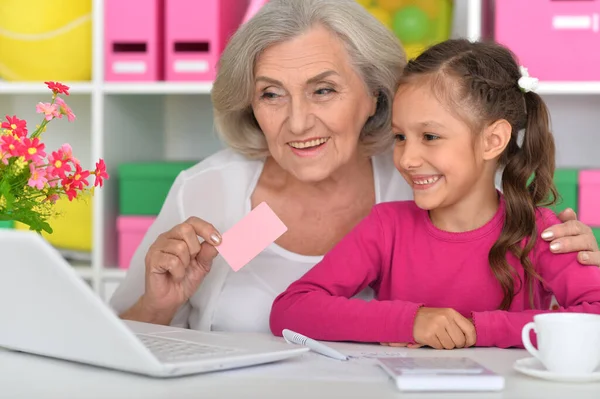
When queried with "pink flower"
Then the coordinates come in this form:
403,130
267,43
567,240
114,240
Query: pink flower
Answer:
68,153
100,173
38,176
33,149
53,198
64,109
49,110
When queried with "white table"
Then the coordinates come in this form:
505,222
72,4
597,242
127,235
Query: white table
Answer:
27,376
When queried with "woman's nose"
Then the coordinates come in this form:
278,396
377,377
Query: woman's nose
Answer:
300,119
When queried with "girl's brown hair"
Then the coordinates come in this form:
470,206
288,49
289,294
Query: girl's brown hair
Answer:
480,81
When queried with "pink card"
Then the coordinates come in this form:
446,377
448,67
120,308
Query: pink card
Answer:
250,236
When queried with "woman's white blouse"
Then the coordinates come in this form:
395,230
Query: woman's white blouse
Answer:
218,190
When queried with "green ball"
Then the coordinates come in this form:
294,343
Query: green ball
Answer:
411,24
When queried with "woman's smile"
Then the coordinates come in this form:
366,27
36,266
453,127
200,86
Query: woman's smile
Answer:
309,147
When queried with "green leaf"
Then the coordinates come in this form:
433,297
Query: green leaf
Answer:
7,194
32,219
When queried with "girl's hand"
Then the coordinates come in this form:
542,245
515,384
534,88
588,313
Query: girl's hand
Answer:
573,236
443,329
402,345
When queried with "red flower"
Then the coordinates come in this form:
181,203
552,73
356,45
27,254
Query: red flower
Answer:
70,191
15,125
78,179
11,145
33,149
58,164
100,173
58,88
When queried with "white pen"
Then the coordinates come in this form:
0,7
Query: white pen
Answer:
292,337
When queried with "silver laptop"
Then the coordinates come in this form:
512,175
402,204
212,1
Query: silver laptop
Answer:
47,309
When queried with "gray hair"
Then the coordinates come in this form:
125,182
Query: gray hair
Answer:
376,54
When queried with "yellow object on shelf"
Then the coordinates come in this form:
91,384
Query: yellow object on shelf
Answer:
390,5
382,16
417,23
46,40
72,227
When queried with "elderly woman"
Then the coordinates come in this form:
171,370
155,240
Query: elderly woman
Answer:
302,99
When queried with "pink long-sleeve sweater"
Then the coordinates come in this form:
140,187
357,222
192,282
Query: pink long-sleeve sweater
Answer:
410,263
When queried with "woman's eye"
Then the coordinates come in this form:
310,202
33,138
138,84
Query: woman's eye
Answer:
324,91
431,137
268,95
399,137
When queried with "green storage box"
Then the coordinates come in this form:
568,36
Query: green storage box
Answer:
566,181
596,231
143,186
6,224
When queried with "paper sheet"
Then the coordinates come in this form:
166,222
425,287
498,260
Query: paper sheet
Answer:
361,367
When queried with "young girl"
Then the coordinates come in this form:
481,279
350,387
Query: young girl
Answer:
461,265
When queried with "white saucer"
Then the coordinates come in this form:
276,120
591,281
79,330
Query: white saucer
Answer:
534,368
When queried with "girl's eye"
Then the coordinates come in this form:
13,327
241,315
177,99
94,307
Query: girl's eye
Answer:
431,137
400,137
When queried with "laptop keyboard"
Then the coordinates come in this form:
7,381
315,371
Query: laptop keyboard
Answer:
172,350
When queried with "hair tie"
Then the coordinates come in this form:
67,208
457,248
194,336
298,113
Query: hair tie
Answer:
527,83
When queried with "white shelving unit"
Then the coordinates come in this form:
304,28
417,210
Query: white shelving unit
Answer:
157,88
572,88
125,122
37,88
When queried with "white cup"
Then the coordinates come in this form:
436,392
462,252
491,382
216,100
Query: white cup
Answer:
568,343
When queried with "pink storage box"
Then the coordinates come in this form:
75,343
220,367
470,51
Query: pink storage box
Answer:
131,231
556,40
196,33
589,197
253,8
133,40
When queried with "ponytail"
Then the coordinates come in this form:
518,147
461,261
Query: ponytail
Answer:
527,182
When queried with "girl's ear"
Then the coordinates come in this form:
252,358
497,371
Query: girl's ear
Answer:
495,139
